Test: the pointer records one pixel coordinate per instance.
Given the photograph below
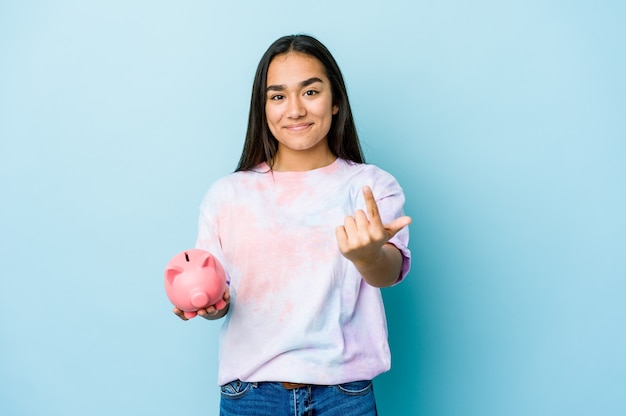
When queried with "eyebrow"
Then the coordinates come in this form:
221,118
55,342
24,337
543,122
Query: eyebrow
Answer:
304,83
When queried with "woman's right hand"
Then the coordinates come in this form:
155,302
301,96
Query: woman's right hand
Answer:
211,313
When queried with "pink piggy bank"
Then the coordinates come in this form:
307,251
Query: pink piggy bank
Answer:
194,279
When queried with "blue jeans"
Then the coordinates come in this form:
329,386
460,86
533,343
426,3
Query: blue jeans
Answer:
239,398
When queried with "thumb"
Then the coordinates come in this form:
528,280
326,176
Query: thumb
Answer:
396,225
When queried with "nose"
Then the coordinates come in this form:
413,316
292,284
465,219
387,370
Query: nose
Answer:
295,108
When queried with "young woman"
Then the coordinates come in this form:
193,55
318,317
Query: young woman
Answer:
307,233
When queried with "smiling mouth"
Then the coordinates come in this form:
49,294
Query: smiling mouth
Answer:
298,127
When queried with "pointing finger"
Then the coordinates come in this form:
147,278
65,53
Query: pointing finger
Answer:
370,204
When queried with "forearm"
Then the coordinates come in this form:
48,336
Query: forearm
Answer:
384,270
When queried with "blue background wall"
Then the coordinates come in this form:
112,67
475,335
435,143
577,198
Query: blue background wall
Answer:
504,121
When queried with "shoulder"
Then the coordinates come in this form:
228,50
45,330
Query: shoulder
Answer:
364,168
236,183
221,186
373,175
239,178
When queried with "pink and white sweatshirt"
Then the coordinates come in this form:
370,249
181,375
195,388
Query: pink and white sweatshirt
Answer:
300,311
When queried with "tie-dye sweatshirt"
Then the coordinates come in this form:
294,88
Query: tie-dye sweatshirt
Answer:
300,311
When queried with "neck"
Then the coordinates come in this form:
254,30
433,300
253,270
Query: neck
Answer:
301,162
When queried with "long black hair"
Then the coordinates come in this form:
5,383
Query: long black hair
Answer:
260,145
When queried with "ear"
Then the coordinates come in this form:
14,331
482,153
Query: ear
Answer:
171,273
335,109
208,261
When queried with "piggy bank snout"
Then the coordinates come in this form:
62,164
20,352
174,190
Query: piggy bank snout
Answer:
199,299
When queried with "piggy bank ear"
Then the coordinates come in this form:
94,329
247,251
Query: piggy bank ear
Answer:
171,273
208,260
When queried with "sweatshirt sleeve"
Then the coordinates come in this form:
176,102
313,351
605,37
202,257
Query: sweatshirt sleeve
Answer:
390,200
208,237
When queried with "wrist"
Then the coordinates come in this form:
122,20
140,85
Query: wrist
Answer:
382,270
369,262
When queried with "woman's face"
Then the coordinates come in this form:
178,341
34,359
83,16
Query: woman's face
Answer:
299,110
